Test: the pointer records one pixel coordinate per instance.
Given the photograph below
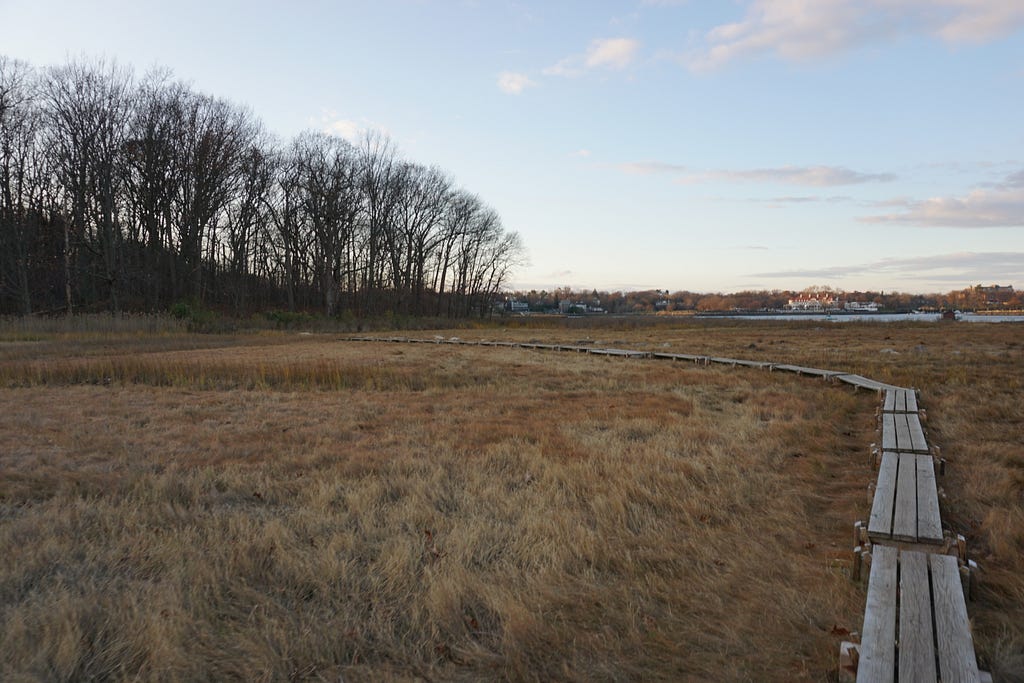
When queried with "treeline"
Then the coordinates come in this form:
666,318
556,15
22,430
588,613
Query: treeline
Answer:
977,298
132,194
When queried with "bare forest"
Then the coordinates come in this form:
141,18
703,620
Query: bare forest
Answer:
128,193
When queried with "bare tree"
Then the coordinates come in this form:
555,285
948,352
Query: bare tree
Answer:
416,231
246,218
87,105
381,188
328,178
214,138
138,195
23,175
151,179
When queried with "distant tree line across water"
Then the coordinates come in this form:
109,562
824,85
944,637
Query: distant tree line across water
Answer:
977,298
132,194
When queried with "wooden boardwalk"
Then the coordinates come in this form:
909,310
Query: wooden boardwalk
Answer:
916,626
906,501
900,401
902,432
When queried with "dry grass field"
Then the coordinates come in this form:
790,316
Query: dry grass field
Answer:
275,506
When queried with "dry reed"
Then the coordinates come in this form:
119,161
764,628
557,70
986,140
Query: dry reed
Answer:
456,513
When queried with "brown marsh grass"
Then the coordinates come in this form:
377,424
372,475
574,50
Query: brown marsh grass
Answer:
289,507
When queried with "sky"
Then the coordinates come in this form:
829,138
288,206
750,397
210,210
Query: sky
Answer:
702,145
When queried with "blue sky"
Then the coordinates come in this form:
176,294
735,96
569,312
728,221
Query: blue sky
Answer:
672,144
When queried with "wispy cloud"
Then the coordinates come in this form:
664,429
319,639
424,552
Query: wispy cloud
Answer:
800,30
777,202
332,123
999,205
513,83
960,267
608,53
814,176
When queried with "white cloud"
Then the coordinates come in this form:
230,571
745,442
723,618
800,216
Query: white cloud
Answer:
609,53
814,176
333,124
800,30
613,53
582,153
513,83
960,267
979,209
343,128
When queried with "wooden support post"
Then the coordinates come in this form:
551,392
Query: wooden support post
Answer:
961,548
858,533
858,563
965,582
849,655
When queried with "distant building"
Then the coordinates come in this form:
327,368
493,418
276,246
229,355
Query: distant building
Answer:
817,301
567,307
995,294
861,307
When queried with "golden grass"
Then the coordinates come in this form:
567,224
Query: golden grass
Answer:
279,506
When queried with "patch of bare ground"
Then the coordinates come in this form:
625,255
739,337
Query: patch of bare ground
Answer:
306,508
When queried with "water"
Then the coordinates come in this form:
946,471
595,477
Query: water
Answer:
878,317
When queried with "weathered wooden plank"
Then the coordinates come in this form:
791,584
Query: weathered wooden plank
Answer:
798,369
903,442
752,363
918,444
880,522
900,400
863,382
952,629
889,406
878,642
889,442
917,647
929,524
904,521
625,353
686,356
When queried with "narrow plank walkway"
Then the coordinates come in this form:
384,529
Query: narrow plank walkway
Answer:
814,372
915,625
902,432
900,401
906,502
